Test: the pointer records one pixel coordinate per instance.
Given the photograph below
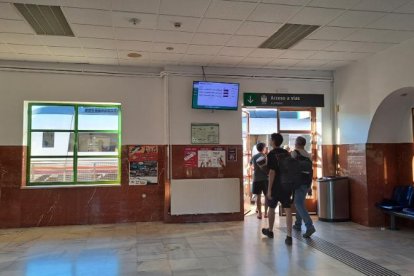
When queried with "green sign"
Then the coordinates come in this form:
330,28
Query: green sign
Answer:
269,100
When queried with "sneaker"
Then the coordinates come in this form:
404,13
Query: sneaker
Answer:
288,240
297,227
309,232
267,232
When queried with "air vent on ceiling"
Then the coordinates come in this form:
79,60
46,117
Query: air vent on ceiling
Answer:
288,35
45,20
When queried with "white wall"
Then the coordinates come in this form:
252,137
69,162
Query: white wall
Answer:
142,100
361,87
182,115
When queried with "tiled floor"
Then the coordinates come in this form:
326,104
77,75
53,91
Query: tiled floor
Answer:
230,248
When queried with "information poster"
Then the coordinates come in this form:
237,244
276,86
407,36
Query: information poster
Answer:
143,173
212,158
143,165
204,133
190,158
232,154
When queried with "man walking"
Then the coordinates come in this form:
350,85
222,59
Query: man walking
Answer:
259,179
300,193
276,192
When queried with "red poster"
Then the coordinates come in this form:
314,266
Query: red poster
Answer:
190,158
143,153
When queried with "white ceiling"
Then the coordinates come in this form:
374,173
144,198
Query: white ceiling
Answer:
213,32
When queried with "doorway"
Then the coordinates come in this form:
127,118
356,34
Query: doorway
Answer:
257,126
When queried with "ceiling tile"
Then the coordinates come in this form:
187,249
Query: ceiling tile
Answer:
287,2
283,62
173,36
15,26
144,6
218,26
407,8
67,51
162,48
235,51
258,28
273,13
88,16
103,61
401,22
92,31
296,54
335,64
312,44
123,55
31,50
352,46
356,56
8,56
166,56
134,45
311,63
134,34
210,39
203,49
100,53
266,53
197,58
356,19
98,43
36,57
27,39
5,49
188,24
331,33
225,60
8,11
146,21
379,5
134,62
194,8
229,9
336,4
90,4
315,16
255,61
63,41
385,36
330,55
246,41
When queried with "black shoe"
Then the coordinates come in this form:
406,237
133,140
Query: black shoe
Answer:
309,232
267,232
297,227
288,240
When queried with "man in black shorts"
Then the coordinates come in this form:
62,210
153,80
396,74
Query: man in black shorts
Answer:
259,179
275,192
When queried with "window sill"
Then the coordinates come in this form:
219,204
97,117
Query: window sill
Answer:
68,186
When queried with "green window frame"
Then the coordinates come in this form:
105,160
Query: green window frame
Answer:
75,156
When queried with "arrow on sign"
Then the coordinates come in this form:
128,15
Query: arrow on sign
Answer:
250,100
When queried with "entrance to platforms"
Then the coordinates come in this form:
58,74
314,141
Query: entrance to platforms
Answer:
257,126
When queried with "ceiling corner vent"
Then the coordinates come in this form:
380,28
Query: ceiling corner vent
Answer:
45,20
288,35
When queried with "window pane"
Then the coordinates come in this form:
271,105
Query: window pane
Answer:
91,143
295,120
263,121
52,143
51,170
98,118
289,141
97,169
53,117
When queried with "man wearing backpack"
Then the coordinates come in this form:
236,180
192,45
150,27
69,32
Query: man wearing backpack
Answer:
259,178
305,161
278,189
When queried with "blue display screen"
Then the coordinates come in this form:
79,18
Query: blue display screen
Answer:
215,95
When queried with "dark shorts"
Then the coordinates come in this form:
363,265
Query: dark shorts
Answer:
260,187
285,198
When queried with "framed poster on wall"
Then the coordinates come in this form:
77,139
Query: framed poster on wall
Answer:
204,133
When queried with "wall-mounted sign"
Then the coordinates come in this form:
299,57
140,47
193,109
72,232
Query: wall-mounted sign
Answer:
300,100
143,164
212,158
204,133
232,154
190,157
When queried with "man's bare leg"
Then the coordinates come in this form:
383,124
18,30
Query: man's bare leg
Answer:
271,218
288,239
259,205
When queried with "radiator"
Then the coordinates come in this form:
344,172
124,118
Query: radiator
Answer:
205,196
